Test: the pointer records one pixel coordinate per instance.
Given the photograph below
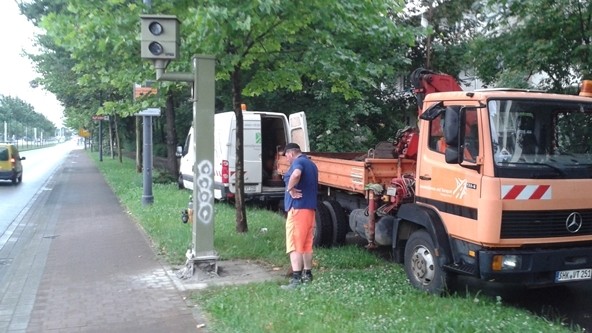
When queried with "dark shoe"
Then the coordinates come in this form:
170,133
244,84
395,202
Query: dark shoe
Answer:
307,278
294,283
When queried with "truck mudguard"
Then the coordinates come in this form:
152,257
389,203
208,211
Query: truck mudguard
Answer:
431,221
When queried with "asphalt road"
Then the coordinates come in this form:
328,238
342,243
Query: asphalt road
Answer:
38,166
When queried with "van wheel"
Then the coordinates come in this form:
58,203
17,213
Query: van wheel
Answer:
180,182
421,265
340,222
323,232
14,180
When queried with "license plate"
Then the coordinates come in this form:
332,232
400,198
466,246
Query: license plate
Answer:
250,189
573,275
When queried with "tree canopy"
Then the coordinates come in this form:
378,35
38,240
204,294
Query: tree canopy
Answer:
269,46
339,55
551,39
22,120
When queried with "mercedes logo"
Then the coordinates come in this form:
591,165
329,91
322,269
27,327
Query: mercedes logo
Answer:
574,222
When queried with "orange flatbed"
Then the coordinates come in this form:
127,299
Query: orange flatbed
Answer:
352,171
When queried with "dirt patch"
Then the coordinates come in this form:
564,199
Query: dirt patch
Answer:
227,272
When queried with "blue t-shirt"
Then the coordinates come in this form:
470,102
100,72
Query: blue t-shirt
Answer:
308,184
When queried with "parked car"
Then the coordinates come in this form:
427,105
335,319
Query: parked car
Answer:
10,163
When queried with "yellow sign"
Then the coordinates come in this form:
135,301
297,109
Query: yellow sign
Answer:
84,133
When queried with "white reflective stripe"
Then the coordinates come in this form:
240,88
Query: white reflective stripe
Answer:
548,194
506,189
526,192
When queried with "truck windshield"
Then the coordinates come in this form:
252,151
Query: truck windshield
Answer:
541,138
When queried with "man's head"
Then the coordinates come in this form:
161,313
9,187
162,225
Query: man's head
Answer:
292,150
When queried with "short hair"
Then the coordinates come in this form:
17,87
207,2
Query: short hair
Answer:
292,146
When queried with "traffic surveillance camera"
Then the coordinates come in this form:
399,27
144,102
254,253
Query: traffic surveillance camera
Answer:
160,38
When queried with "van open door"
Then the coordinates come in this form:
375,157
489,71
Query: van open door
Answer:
299,130
251,154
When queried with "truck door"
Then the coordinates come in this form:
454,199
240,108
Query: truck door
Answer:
452,189
299,130
252,154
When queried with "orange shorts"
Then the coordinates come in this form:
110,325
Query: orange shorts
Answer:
299,230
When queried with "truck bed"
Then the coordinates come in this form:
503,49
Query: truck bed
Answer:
353,171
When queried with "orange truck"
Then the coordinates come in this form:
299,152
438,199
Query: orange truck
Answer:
495,184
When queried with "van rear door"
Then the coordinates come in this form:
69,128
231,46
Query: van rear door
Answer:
299,130
187,161
252,154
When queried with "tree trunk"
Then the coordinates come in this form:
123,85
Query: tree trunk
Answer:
111,138
171,136
138,145
241,212
119,150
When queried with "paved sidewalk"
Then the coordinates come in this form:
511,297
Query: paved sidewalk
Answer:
80,264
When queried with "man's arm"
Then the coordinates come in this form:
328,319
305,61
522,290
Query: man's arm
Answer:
294,179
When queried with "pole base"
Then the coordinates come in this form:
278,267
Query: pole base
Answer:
147,200
206,262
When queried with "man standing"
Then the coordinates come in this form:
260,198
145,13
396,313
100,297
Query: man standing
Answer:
300,202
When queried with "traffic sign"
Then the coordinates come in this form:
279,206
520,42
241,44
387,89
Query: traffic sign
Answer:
144,91
84,133
153,112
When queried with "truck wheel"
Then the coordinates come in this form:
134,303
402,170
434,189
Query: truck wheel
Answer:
421,265
323,233
340,222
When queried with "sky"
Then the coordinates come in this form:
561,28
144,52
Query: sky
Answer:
16,35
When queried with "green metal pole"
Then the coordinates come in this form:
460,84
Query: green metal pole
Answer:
203,184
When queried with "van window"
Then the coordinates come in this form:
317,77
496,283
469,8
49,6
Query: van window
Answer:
187,145
3,153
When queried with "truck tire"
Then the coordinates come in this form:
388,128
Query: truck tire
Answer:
323,233
340,222
421,265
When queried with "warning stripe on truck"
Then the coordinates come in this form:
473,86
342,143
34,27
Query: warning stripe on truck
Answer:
527,192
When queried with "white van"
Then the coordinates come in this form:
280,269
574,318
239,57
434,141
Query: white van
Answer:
265,135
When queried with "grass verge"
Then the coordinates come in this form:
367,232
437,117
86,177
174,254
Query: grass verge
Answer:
353,290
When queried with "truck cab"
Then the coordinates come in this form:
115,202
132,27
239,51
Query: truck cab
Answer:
494,184
504,178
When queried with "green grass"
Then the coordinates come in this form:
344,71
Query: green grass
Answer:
353,290
375,299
